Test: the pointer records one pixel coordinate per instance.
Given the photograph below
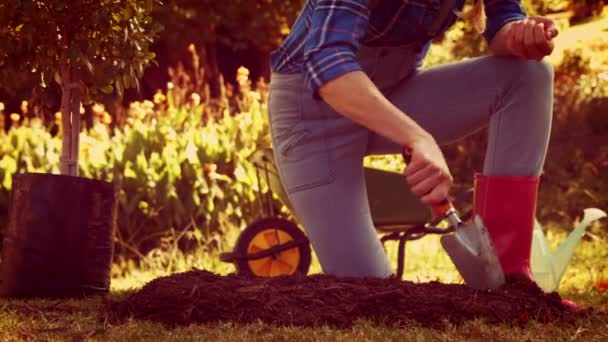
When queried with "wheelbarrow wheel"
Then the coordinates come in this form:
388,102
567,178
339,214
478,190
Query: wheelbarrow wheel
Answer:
267,234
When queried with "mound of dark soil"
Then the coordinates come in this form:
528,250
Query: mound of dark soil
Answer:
201,297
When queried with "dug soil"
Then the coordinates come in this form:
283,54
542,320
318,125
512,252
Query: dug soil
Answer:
202,297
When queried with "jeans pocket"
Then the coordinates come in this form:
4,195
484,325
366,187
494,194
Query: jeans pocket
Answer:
284,111
303,160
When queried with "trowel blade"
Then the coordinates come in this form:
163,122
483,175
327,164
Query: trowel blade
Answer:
472,252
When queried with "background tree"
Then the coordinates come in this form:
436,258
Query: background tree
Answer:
228,33
89,47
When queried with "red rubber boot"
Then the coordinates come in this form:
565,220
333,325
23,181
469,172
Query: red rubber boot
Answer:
507,206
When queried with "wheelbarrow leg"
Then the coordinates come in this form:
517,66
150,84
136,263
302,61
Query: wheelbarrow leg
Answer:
401,256
402,238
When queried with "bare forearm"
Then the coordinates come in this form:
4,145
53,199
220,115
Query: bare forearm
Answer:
355,96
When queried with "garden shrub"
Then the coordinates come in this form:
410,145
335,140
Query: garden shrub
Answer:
172,172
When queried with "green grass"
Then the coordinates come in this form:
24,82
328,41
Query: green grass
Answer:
84,319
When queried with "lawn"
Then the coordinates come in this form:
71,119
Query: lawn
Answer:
86,320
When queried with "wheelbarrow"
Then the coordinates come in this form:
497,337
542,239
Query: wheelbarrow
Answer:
274,245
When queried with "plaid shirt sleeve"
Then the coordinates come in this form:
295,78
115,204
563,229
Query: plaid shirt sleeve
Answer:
500,12
333,40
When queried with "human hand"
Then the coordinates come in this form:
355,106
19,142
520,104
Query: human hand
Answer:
427,172
531,38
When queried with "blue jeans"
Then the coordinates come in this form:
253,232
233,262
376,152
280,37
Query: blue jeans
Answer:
319,153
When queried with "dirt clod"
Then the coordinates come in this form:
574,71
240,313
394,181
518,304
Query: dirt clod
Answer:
203,297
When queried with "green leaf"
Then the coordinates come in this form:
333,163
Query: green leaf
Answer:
129,172
86,62
109,89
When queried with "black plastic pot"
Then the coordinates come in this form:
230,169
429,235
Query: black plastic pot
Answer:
59,239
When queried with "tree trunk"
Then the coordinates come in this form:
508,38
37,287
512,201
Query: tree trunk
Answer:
215,81
70,120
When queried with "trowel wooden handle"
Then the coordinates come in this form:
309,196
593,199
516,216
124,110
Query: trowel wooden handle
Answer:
442,209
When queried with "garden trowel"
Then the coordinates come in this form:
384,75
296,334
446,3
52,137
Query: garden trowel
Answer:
471,250
469,247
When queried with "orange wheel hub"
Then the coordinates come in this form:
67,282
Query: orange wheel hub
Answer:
284,263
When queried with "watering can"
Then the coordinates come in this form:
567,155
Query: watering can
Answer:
549,267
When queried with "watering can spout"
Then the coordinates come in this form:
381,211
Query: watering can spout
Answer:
549,267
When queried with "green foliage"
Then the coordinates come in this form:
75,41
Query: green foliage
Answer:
106,41
542,7
171,172
461,41
175,174
585,9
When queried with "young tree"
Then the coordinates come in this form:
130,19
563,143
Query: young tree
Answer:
89,47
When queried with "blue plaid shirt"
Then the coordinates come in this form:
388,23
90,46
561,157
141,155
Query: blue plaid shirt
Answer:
325,38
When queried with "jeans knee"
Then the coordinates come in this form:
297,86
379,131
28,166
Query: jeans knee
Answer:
533,74
541,72
533,85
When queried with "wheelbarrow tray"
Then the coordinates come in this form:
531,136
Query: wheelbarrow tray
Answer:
392,203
